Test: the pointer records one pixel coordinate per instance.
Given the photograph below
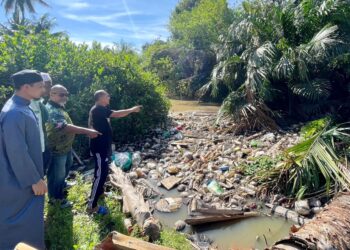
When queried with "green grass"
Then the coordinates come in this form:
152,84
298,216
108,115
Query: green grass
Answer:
173,239
72,228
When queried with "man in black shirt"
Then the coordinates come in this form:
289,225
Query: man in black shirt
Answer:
101,146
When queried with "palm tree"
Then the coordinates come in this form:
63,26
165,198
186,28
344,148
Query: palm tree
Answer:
19,7
279,53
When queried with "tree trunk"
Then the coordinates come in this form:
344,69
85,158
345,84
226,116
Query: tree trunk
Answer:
328,230
134,203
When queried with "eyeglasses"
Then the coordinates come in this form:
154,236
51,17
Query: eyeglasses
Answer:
62,94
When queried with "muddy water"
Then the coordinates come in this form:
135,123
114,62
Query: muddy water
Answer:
242,234
247,233
184,106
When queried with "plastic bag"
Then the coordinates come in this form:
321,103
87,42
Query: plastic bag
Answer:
136,159
215,187
123,160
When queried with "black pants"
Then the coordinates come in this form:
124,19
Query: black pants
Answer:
46,159
101,171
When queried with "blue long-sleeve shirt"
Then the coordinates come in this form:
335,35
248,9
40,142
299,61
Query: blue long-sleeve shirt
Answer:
21,166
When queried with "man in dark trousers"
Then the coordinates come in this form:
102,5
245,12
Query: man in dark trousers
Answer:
101,147
21,166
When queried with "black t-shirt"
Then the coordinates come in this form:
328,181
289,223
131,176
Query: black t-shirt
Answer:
99,120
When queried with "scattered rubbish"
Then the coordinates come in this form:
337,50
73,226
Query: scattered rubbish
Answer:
178,136
180,225
215,188
224,168
123,160
169,205
170,182
302,207
136,159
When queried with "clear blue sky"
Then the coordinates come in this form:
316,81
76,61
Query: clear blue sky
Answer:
132,21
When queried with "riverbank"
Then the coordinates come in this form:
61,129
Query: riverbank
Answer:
212,168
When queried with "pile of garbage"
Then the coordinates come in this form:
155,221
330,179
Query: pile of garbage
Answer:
201,160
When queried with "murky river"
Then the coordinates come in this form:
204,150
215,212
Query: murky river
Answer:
184,106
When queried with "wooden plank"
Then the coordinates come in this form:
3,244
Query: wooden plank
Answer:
219,211
118,241
170,182
203,219
22,246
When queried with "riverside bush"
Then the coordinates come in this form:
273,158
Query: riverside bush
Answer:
83,70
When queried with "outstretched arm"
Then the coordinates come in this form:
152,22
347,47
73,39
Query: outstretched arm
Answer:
70,128
125,112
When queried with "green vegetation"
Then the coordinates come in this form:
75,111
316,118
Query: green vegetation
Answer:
185,62
315,165
171,238
84,70
73,228
272,62
260,165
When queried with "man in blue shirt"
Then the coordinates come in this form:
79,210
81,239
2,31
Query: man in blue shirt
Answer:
22,187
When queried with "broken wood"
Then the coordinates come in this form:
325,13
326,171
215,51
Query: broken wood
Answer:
81,163
214,210
208,218
330,229
23,246
287,214
118,241
170,182
134,202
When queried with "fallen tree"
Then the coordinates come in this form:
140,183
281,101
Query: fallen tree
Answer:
134,204
328,230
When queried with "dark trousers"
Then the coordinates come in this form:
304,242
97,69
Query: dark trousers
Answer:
46,159
100,176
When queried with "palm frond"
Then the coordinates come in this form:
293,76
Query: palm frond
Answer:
325,43
314,90
308,161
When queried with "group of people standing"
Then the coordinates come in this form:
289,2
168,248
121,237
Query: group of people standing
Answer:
36,137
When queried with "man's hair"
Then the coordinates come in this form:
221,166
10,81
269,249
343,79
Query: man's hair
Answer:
98,94
26,76
46,77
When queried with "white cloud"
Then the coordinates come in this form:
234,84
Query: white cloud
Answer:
73,5
107,34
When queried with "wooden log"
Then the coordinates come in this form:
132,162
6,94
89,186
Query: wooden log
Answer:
134,202
287,214
23,246
118,241
209,218
330,229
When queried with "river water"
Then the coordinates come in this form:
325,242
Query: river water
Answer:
242,234
251,233
184,106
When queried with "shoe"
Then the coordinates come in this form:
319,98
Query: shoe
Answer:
65,203
98,210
